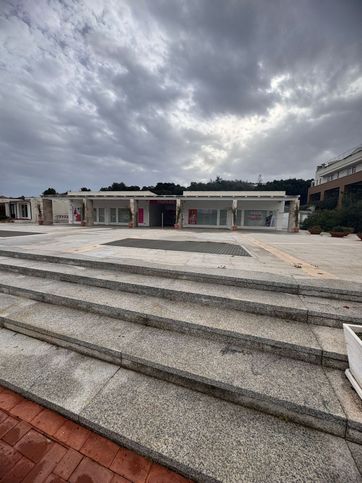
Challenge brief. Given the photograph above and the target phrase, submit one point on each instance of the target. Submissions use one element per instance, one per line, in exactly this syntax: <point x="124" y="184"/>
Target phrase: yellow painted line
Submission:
<point x="308" y="268"/>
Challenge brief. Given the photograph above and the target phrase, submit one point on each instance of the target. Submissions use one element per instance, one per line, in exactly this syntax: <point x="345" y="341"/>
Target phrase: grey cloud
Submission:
<point x="84" y="102"/>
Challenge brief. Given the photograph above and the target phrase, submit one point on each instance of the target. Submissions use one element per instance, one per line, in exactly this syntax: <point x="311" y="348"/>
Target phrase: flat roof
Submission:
<point x="227" y="194"/>
<point x="187" y="195"/>
<point x="340" y="157"/>
<point x="111" y="194"/>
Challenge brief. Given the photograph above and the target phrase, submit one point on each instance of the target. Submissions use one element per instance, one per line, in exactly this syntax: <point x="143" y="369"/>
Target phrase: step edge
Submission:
<point x="296" y="412"/>
<point x="295" y="313"/>
<point x="103" y="431"/>
<point x="290" y="284"/>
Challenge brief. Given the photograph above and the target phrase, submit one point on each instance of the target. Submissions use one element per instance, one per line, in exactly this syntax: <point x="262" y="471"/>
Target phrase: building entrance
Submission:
<point x="162" y="212"/>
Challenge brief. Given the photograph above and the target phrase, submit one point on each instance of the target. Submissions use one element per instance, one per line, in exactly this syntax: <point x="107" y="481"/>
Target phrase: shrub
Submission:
<point x="350" y="216"/>
<point x="326" y="219"/>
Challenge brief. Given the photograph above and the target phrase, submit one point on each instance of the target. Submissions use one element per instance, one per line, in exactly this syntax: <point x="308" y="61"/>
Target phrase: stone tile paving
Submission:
<point x="38" y="445"/>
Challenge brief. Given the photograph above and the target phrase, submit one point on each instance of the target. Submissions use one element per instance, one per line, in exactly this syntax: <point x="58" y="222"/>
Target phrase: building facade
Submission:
<point x="35" y="209"/>
<point x="224" y="209"/>
<point x="338" y="179"/>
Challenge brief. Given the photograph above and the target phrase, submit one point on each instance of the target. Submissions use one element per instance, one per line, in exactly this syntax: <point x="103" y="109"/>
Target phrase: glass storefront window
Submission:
<point x="101" y="215"/>
<point x="223" y="217"/>
<point x="24" y="211"/>
<point x="206" y="217"/>
<point x="123" y="215"/>
<point x="238" y="217"/>
<point x="258" y="218"/>
<point x="113" y="213"/>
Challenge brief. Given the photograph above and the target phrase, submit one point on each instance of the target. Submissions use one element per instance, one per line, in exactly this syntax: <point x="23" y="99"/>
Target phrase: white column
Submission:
<point x="88" y="212"/>
<point x="234" y="211"/>
<point x="133" y="206"/>
<point x="179" y="214"/>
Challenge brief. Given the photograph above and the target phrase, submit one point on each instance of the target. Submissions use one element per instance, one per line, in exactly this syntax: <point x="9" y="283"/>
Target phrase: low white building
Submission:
<point x="35" y="209"/>
<point x="193" y="209"/>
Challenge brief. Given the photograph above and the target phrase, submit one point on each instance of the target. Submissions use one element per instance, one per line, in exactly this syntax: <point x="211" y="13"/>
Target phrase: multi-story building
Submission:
<point x="338" y="179"/>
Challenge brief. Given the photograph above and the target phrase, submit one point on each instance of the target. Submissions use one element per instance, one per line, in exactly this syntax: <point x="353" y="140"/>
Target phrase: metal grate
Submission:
<point x="183" y="246"/>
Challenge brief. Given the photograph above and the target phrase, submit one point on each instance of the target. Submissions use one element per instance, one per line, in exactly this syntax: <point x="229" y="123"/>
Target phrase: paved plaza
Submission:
<point x="300" y="255"/>
<point x="215" y="366"/>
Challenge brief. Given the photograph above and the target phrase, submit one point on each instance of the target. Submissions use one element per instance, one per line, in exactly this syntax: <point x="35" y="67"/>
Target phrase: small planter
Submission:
<point x="130" y="224"/>
<point x="359" y="235"/>
<point x="234" y="227"/>
<point x="352" y="335"/>
<point x="338" y="234"/>
<point x="177" y="226"/>
<point x="315" y="230"/>
<point x="40" y="221"/>
<point x="83" y="223"/>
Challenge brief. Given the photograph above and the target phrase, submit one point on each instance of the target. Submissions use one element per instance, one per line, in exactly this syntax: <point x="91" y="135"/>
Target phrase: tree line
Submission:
<point x="291" y="186"/>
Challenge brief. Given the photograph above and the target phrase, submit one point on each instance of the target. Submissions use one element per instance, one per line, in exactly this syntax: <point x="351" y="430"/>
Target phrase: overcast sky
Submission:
<point x="139" y="91"/>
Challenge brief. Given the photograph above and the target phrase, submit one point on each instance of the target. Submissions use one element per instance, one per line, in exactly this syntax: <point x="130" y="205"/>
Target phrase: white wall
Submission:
<point x="60" y="210"/>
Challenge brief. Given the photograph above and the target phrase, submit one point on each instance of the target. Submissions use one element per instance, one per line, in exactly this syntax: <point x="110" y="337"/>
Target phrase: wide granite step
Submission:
<point x="310" y="309"/>
<point x="268" y="382"/>
<point x="201" y="436"/>
<point x="311" y="343"/>
<point x="331" y="289"/>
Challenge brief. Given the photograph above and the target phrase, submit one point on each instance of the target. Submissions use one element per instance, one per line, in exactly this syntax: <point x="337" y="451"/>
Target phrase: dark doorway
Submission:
<point x="162" y="212"/>
<point x="12" y="208"/>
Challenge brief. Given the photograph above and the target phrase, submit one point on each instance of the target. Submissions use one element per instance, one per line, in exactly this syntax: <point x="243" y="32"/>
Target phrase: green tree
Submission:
<point x="49" y="191"/>
<point x="120" y="187"/>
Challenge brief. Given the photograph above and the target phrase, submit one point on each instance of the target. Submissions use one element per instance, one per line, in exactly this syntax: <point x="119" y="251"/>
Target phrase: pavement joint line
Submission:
<point x="308" y="268"/>
<point x="86" y="248"/>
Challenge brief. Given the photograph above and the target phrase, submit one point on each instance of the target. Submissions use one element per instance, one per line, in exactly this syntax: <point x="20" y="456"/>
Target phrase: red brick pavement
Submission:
<point x="38" y="445"/>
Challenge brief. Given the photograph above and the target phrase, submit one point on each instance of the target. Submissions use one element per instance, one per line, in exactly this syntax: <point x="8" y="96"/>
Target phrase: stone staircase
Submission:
<point x="222" y="376"/>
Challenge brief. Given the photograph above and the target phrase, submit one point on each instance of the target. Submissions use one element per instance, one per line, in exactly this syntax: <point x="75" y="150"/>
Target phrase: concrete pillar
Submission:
<point x="234" y="212"/>
<point x="47" y="212"/>
<point x="133" y="207"/>
<point x="7" y="210"/>
<point x="179" y="222"/>
<point x="293" y="219"/>
<point x="88" y="212"/>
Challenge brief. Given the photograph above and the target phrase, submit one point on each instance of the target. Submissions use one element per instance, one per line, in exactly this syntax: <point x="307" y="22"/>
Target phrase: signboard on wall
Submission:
<point x="193" y="216"/>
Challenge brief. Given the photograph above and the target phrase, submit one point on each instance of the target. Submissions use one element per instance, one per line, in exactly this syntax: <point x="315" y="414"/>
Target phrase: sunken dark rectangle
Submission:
<point x="183" y="246"/>
<point x="7" y="233"/>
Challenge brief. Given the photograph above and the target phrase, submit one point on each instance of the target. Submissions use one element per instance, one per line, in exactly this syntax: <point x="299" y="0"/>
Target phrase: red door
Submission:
<point x="140" y="215"/>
